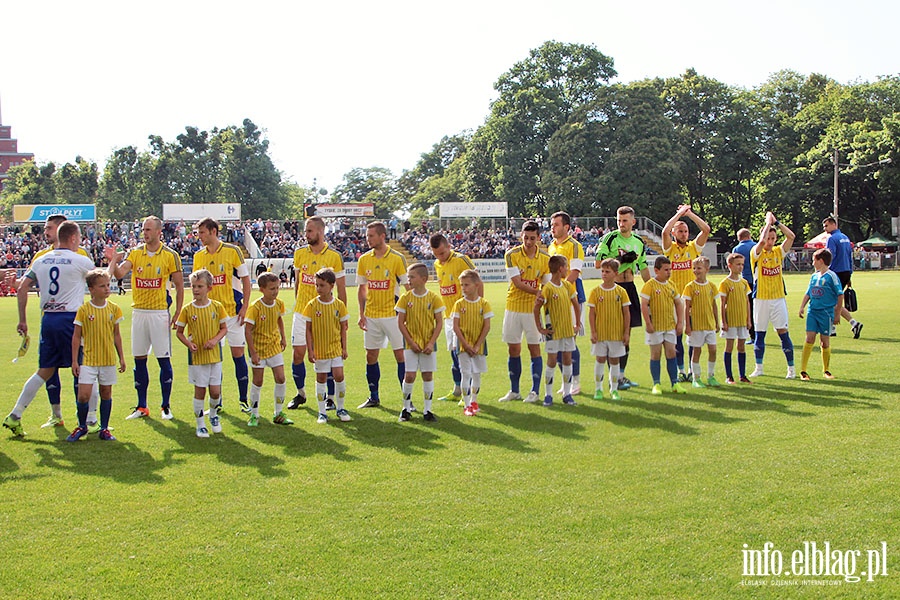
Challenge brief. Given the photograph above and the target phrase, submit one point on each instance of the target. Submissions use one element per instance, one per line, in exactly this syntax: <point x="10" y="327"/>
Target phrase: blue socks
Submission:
<point x="760" y="348"/>
<point x="242" y="374"/>
<point x="299" y="373"/>
<point x="576" y="362"/>
<point x="787" y="347"/>
<point x="727" y="359"/>
<point x="82" y="408"/>
<point x="401" y="373"/>
<point x="514" y="365"/>
<point x="373" y="376"/>
<point x="742" y="363"/>
<point x="165" y="378"/>
<point x="329" y="385"/>
<point x="537" y="373"/>
<point x="105" y="411"/>
<point x="672" y="368"/>
<point x="141" y="381"/>
<point x="457" y="374"/>
<point x="679" y="352"/>
<point x="54" y="387"/>
<point x="655" y="370"/>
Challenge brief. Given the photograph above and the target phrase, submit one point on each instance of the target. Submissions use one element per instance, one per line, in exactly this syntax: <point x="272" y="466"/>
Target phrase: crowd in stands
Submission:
<point x="489" y="243"/>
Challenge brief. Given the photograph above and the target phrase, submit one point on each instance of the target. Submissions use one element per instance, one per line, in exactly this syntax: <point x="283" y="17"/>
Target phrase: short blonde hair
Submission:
<point x="202" y="275"/>
<point x="471" y="275"/>
<point x="421" y="268"/>
<point x="93" y="277"/>
<point x="701" y="260"/>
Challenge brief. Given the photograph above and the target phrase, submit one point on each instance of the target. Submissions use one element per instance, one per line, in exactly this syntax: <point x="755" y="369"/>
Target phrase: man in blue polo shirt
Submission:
<point x="842" y="264"/>
<point x="744" y="247"/>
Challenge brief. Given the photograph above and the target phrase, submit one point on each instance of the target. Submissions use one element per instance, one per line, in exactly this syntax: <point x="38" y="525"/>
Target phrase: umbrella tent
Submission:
<point x="820" y="241"/>
<point x="877" y="241"/>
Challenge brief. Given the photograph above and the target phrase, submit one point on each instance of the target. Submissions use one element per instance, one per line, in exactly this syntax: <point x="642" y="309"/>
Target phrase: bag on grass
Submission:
<point x="850" y="299"/>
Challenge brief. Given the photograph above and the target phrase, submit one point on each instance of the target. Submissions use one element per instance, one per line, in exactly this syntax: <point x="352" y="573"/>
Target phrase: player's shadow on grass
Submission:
<point x="624" y="418"/>
<point x="744" y="401"/>
<point x="534" y="421"/>
<point x="412" y="438"/>
<point x="221" y="445"/>
<point x="297" y="439"/>
<point x="854" y="386"/>
<point x="762" y="395"/>
<point x="120" y="461"/>
<point x="469" y="430"/>
<point x="680" y="410"/>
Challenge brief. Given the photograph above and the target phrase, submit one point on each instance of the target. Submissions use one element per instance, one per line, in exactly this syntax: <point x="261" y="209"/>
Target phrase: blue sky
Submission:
<point x="361" y="84"/>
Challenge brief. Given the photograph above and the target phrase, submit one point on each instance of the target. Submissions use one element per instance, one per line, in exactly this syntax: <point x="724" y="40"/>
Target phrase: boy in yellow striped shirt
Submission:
<point x="610" y="323"/>
<point x="419" y="320"/>
<point x="471" y="323"/>
<point x="97" y="327"/>
<point x="736" y="322"/>
<point x="326" y="320"/>
<point x="559" y="299"/>
<point x="661" y="308"/>
<point x="201" y="326"/>
<point x="264" y="332"/>
<point x="701" y="317"/>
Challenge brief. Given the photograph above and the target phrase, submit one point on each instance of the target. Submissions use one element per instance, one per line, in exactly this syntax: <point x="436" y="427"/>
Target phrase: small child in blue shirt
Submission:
<point x="825" y="297"/>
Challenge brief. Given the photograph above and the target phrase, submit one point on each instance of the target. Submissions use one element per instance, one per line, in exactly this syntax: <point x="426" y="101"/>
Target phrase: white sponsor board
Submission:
<point x="473" y="209"/>
<point x="196" y="212"/>
<point x="345" y="210"/>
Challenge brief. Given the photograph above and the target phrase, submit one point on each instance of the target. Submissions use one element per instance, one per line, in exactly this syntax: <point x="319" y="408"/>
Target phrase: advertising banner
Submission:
<point x="196" y="212"/>
<point x="345" y="210"/>
<point x="38" y="213"/>
<point x="473" y="209"/>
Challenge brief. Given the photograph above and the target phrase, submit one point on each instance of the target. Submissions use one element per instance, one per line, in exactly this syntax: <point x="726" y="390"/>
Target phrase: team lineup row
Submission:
<point x="540" y="282"/>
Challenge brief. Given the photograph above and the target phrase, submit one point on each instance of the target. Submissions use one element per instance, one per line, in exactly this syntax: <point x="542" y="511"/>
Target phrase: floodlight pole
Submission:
<point x="837" y="170"/>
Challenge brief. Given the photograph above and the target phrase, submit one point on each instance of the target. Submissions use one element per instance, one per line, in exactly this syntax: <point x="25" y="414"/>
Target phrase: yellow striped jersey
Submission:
<point x="381" y="276"/>
<point x="661" y="297"/>
<point x="608" y="304"/>
<point x="266" y="333"/>
<point x="533" y="272"/>
<point x="306" y="263"/>
<point x="767" y="273"/>
<point x="326" y="319"/>
<point x="150" y="273"/>
<point x="227" y="267"/>
<point x="571" y="249"/>
<point x="682" y="258"/>
<point x="201" y="324"/>
<point x="735" y="294"/>
<point x="558" y="308"/>
<point x="448" y="277"/>
<point x="703" y="298"/>
<point x="44" y="251"/>
<point x="471" y="315"/>
<point x="421" y="314"/>
<point x="98" y="326"/>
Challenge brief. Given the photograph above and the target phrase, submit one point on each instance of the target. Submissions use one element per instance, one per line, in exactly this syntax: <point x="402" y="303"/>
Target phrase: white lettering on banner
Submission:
<point x="345" y="210"/>
<point x="473" y="209"/>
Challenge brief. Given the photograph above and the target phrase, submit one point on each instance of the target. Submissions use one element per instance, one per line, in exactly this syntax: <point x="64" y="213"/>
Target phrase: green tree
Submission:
<point x="537" y="96"/>
<point x="28" y="183"/>
<point x="374" y="185"/>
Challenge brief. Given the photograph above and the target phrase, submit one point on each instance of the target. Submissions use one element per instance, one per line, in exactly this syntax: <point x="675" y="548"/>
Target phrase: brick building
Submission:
<point x="9" y="151"/>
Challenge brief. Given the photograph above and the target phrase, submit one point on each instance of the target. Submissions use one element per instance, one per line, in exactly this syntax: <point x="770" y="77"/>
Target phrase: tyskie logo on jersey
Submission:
<point x="681" y="265"/>
<point x="771" y="271"/>
<point x="147" y="284"/>
<point x="219" y="279"/>
<point x="307" y="279"/>
<point x="379" y="284"/>
<point x="448" y="290"/>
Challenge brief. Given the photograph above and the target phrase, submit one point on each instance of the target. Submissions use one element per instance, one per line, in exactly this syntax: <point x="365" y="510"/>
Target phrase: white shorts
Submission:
<point x="420" y="362"/>
<point x="325" y="365"/>
<point x="235" y="335"/>
<point x="150" y="329"/>
<point x="516" y="324"/>
<point x="298" y="331"/>
<point x="774" y="312"/>
<point x="610" y="348"/>
<point x="205" y="375"/>
<point x="102" y="375"/>
<point x="271" y="362"/>
<point x="658" y="337"/>
<point x="563" y="345"/>
<point x="452" y="342"/>
<point x="381" y="332"/>
<point x="472" y="364"/>
<point x="736" y="333"/>
<point x="698" y="339"/>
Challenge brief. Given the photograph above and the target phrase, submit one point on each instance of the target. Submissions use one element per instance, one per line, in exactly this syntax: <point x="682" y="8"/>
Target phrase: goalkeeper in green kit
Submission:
<point x="629" y="249"/>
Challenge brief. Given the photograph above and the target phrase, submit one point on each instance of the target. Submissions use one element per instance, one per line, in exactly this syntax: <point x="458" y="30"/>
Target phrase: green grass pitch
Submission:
<point x="652" y="497"/>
